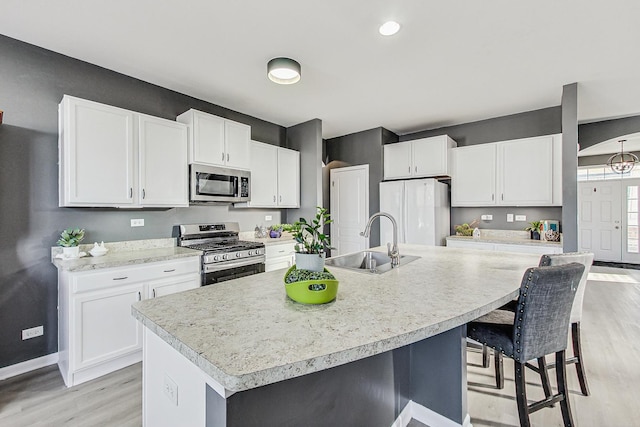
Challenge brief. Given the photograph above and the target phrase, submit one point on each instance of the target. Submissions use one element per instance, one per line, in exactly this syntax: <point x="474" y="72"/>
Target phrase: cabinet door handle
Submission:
<point x="120" y="278"/>
<point x="130" y="192"/>
<point x="139" y="296"/>
<point x="153" y="291"/>
<point x="281" y="197"/>
<point x="169" y="271"/>
<point x="143" y="193"/>
<point x="409" y="170"/>
<point x="492" y="197"/>
<point x="227" y="157"/>
<point x="416" y="169"/>
<point x="222" y="157"/>
<point x="274" y="197"/>
<point x="502" y="196"/>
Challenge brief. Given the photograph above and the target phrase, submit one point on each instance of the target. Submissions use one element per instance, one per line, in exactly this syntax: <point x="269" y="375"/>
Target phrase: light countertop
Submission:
<point x="124" y="253"/>
<point x="250" y="236"/>
<point x="246" y="333"/>
<point x="507" y="241"/>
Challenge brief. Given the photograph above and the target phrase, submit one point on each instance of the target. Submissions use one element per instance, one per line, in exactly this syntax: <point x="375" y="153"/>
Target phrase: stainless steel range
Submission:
<point x="225" y="256"/>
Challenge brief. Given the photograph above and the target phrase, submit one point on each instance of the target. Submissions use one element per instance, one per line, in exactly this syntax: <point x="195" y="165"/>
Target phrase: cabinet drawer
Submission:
<point x="272" y="251"/>
<point x="90" y="281"/>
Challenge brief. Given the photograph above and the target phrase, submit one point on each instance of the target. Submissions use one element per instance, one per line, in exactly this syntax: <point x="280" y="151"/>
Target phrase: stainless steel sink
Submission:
<point x="368" y="262"/>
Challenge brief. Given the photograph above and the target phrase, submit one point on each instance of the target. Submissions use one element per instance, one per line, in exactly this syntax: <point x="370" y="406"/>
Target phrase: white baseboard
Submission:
<point x="28" y="366"/>
<point x="415" y="411"/>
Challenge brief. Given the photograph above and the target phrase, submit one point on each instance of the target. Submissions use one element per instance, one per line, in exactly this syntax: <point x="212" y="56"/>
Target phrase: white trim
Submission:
<point x="415" y="411"/>
<point x="28" y="366"/>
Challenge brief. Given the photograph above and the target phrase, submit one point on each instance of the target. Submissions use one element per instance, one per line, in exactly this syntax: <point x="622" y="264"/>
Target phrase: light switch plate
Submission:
<point x="521" y="217"/>
<point x="137" y="222"/>
<point x="509" y="217"/>
<point x="268" y="218"/>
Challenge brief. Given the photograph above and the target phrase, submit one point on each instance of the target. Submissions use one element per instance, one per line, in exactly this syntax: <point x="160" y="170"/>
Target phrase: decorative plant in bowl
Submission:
<point x="275" y="231"/>
<point x="534" y="229"/>
<point x="69" y="240"/>
<point x="311" y="242"/>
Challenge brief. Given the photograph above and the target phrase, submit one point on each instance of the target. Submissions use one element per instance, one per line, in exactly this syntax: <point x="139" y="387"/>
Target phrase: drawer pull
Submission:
<point x="169" y="271"/>
<point x="281" y="251"/>
<point x="120" y="278"/>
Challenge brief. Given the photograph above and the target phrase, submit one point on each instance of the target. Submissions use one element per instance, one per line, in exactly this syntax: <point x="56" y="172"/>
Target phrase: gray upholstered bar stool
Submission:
<point x="539" y="328"/>
<point x="505" y="315"/>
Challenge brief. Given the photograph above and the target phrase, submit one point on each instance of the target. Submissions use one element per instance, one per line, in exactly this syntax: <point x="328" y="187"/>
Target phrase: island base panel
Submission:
<point x="368" y="392"/>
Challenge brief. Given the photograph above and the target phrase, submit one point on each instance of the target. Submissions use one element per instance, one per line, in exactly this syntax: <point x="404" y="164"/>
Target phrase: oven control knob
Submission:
<point x="237" y="254"/>
<point x="225" y="256"/>
<point x="216" y="257"/>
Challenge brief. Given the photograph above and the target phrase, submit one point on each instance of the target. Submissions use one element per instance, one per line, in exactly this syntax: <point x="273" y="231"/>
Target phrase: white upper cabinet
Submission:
<point x="522" y="172"/>
<point x="96" y="154"/>
<point x="288" y="178"/>
<point x="164" y="172"/>
<point x="275" y="177"/>
<point x="217" y="141"/>
<point x="111" y="157"/>
<point x="425" y="157"/>
<point x="473" y="181"/>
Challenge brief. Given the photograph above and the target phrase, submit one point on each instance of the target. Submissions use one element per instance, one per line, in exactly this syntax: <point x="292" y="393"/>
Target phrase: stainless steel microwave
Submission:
<point x="218" y="184"/>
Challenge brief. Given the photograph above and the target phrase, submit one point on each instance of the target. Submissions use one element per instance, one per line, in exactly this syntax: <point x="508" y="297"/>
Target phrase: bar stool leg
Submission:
<point x="499" y="369"/>
<point x="521" y="394"/>
<point x="562" y="389"/>
<point x="485" y="356"/>
<point x="544" y="376"/>
<point x="577" y="352"/>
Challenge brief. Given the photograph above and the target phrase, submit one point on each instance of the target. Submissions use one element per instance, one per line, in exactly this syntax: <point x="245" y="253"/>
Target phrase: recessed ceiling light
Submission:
<point x="389" y="28"/>
<point x="284" y="71"/>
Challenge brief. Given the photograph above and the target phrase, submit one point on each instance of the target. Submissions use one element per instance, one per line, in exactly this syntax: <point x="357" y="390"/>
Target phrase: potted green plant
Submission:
<point x="534" y="229"/>
<point x="311" y="242"/>
<point x="69" y="240"/>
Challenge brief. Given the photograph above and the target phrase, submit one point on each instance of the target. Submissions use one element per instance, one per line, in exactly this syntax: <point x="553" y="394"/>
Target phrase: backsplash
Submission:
<point x="499" y="222"/>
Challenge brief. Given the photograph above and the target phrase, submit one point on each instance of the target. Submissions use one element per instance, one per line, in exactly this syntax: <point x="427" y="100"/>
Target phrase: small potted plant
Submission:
<point x="275" y="231"/>
<point x="69" y="240"/>
<point x="311" y="242"/>
<point x="534" y="229"/>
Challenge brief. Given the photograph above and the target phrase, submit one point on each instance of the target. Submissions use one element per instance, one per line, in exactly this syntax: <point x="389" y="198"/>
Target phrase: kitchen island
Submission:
<point x="390" y="347"/>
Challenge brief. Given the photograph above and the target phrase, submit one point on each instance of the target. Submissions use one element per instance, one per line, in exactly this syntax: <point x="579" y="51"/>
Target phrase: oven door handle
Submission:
<point x="221" y="266"/>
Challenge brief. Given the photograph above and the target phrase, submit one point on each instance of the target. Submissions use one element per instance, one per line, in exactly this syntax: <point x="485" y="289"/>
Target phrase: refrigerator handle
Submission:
<point x="405" y="215"/>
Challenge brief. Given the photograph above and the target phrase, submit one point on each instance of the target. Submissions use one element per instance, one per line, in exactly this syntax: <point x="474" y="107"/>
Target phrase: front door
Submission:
<point x="599" y="219"/>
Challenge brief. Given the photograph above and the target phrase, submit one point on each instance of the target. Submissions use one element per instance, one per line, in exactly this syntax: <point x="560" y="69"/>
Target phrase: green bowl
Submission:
<point x="311" y="291"/>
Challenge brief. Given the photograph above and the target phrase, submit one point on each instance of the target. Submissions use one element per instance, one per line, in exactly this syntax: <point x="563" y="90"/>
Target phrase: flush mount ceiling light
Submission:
<point x="284" y="71"/>
<point x="622" y="162"/>
<point x="389" y="28"/>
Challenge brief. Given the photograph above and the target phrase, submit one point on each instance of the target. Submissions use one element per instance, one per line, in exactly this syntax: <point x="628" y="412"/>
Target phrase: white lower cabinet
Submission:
<point x="504" y="247"/>
<point x="279" y="256"/>
<point x="96" y="332"/>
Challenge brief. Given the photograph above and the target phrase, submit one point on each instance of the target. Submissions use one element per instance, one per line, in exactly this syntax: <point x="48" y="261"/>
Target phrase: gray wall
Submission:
<point x="307" y="139"/>
<point x="32" y="82"/>
<point x="569" y="167"/>
<point x="523" y="125"/>
<point x="360" y="149"/>
<point x="593" y="133"/>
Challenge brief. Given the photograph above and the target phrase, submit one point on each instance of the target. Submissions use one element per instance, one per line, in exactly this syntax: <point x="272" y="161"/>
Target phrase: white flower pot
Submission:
<point x="312" y="262"/>
<point x="71" y="252"/>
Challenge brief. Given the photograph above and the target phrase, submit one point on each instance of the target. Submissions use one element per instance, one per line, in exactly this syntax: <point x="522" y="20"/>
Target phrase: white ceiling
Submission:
<point x="452" y="62"/>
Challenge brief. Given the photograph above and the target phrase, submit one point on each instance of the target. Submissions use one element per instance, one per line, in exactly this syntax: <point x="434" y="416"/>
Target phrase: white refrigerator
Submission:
<point x="421" y="209"/>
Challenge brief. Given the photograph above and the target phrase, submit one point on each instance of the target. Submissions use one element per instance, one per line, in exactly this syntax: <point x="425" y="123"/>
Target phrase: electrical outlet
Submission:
<point x="509" y="217"/>
<point x="268" y="217"/>
<point x="170" y="389"/>
<point x="486" y="217"/>
<point x="137" y="222"/>
<point x="521" y="218"/>
<point x="32" y="332"/>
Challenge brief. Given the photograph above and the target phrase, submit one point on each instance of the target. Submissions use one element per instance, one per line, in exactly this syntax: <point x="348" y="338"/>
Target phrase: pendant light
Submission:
<point x="622" y="162"/>
<point x="284" y="71"/>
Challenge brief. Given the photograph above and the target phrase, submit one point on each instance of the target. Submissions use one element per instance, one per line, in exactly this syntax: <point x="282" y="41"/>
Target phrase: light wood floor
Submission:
<point x="611" y="340"/>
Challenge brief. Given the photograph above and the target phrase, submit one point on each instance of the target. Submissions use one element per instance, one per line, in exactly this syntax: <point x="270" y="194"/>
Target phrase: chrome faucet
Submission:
<point x="393" y="252"/>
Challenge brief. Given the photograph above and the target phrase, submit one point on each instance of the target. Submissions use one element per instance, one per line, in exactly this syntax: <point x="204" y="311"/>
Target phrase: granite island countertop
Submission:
<point x="122" y="254"/>
<point x="246" y="333"/>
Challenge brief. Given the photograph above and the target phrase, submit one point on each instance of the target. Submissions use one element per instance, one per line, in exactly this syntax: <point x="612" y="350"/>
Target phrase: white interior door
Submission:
<point x="599" y="219"/>
<point x="392" y="202"/>
<point x="349" y="208"/>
